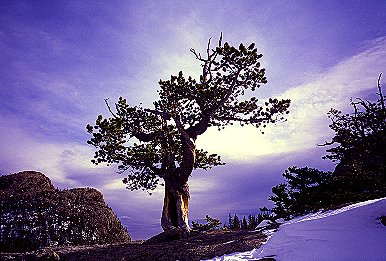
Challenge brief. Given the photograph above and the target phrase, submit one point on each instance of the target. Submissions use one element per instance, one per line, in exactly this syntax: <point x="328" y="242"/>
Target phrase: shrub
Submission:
<point x="211" y="224"/>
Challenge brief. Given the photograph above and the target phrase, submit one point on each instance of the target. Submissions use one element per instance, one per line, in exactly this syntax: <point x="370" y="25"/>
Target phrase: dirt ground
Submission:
<point x="199" y="246"/>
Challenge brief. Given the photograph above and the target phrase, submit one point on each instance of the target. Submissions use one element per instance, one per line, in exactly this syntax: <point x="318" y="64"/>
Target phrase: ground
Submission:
<point x="199" y="246"/>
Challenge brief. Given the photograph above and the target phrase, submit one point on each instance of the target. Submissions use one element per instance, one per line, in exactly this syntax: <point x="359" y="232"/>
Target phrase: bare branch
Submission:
<point x="326" y="143"/>
<point x="206" y="66"/>
<point x="208" y="61"/>
<point x="357" y="123"/>
<point x="109" y="108"/>
<point x="198" y="55"/>
<point x="362" y="102"/>
<point x="208" y="48"/>
<point x="382" y="98"/>
<point x="220" y="40"/>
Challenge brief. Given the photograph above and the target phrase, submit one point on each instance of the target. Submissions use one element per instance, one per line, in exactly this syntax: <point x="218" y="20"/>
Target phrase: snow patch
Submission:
<point x="353" y="232"/>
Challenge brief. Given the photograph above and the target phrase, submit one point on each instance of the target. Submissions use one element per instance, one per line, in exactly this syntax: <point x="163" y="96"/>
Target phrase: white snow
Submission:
<point x="350" y="233"/>
<point x="263" y="223"/>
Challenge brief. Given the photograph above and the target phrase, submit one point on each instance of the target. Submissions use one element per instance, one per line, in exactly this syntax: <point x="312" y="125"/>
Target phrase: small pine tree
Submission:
<point x="244" y="224"/>
<point x="252" y="222"/>
<point x="236" y="222"/>
<point x="306" y="189"/>
<point x="231" y="222"/>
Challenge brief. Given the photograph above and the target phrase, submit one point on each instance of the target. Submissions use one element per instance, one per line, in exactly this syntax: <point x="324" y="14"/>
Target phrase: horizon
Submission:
<point x="61" y="60"/>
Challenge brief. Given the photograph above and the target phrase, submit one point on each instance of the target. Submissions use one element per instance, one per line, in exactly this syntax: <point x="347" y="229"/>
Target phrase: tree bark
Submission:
<point x="175" y="212"/>
<point x="174" y="220"/>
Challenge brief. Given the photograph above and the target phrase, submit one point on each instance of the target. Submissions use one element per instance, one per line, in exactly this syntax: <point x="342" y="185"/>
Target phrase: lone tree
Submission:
<point x="159" y="143"/>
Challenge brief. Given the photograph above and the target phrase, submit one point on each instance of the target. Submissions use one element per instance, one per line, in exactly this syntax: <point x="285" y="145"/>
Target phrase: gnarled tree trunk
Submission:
<point x="174" y="220"/>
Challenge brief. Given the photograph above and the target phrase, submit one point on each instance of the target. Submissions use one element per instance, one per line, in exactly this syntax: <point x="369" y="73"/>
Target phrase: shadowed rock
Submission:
<point x="36" y="215"/>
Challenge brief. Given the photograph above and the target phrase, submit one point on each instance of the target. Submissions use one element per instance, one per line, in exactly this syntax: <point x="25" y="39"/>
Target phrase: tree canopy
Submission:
<point x="152" y="143"/>
<point x="305" y="190"/>
<point x="360" y="142"/>
<point x="351" y="130"/>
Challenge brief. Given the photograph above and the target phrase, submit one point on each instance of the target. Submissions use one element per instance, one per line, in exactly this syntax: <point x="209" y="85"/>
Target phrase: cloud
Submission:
<point x="57" y="160"/>
<point x="307" y="123"/>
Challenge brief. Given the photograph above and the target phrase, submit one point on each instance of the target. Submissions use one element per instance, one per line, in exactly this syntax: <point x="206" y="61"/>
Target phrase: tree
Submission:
<point x="230" y="221"/>
<point x="244" y="224"/>
<point x="360" y="150"/>
<point x="236" y="222"/>
<point x="306" y="189"/>
<point x="159" y="143"/>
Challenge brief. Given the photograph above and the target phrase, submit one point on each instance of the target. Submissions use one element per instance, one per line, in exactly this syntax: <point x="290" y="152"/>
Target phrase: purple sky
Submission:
<point x="60" y="59"/>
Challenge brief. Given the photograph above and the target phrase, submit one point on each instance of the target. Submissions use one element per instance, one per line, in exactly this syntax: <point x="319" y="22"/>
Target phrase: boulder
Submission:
<point x="36" y="215"/>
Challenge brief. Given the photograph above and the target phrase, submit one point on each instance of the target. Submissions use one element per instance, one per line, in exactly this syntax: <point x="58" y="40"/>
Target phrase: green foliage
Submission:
<point x="282" y="200"/>
<point x="236" y="222"/>
<point x="305" y="190"/>
<point x="361" y="146"/>
<point x="150" y="144"/>
<point x="227" y="74"/>
<point x="211" y="224"/>
<point x="244" y="224"/>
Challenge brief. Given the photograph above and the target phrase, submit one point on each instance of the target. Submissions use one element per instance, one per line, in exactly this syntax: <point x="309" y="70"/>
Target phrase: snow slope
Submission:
<point x="350" y="233"/>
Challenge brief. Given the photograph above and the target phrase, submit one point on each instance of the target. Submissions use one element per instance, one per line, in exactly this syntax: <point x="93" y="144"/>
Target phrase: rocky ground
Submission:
<point x="199" y="246"/>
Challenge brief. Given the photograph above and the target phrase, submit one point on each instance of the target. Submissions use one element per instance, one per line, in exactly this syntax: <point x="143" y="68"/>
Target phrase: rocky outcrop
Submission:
<point x="34" y="215"/>
<point x="24" y="184"/>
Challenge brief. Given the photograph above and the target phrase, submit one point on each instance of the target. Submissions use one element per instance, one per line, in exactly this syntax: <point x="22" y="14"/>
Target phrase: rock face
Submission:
<point x="34" y="215"/>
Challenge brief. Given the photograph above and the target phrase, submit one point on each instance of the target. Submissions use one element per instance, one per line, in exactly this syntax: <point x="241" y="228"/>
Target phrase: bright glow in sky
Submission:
<point x="60" y="60"/>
